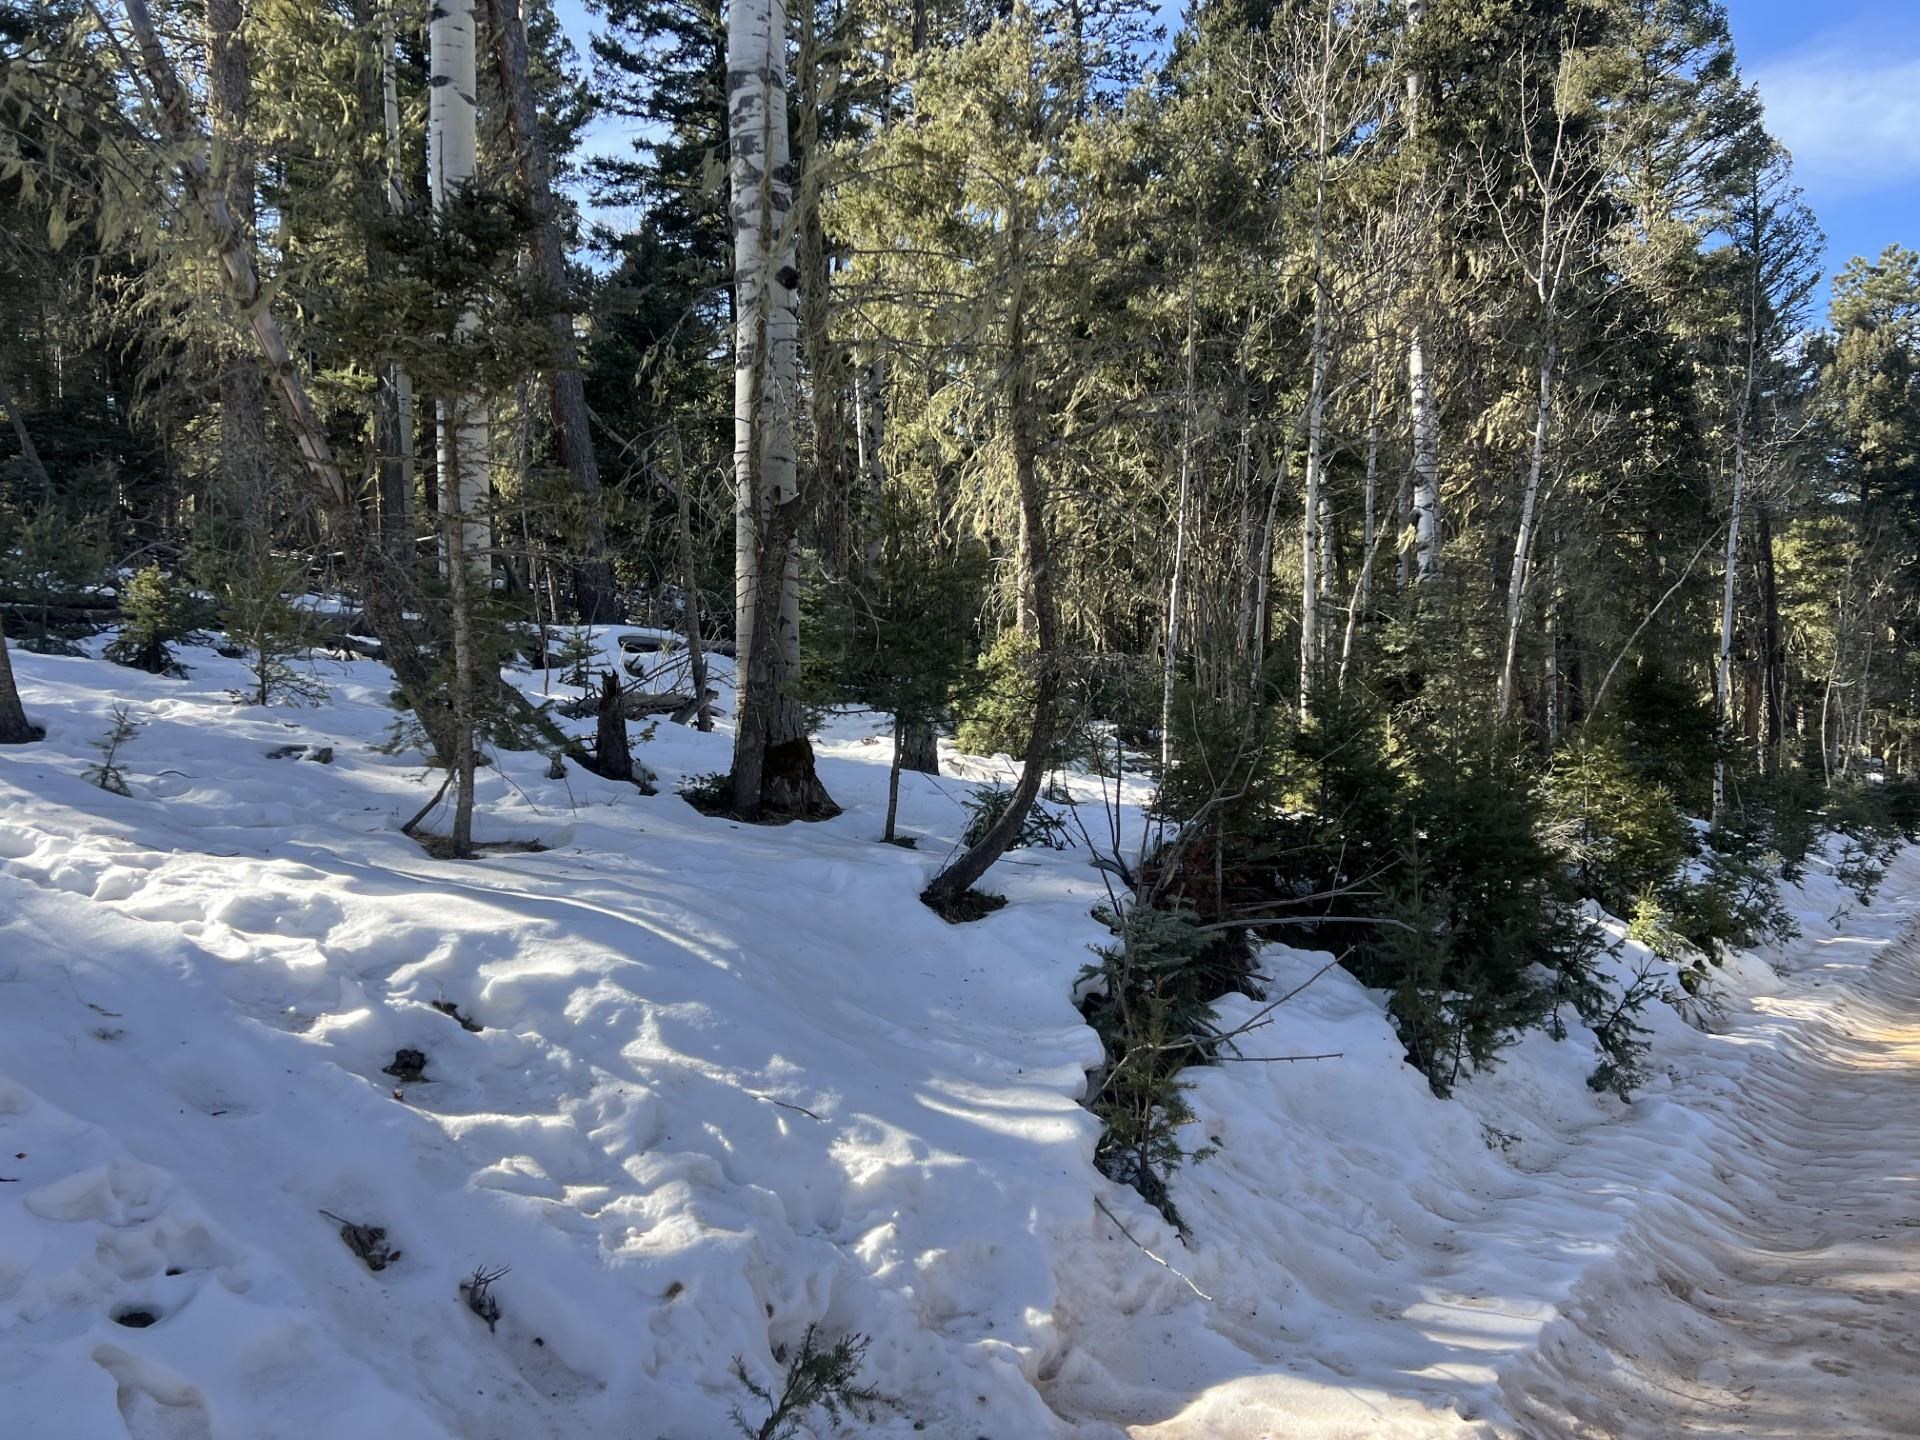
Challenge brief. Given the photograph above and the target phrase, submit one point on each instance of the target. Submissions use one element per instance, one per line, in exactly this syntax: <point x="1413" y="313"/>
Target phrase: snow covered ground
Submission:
<point x="729" y="1083"/>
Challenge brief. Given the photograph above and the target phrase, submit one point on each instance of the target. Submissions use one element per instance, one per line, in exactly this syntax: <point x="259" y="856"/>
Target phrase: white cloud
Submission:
<point x="1851" y="119"/>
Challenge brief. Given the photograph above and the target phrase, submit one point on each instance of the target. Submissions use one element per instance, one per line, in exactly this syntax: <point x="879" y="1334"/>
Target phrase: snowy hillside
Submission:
<point x="720" y="1084"/>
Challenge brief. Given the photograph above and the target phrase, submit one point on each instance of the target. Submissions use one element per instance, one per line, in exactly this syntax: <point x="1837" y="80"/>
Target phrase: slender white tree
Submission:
<point x="1421" y="402"/>
<point x="452" y="156"/>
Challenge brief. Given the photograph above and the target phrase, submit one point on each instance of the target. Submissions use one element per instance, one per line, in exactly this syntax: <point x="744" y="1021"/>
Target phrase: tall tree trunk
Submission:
<point x="1775" y="657"/>
<point x="452" y="142"/>
<point x="1176" y="584"/>
<point x="1529" y="514"/>
<point x="1261" y="626"/>
<point x="394" y="400"/>
<point x="1723" y="668"/>
<point x="14" y="728"/>
<point x="594" y="592"/>
<point x="384" y="589"/>
<point x="1313" y="537"/>
<point x="772" y="759"/>
<point x="461" y="575"/>
<point x="869" y="435"/>
<point x="966" y="871"/>
<point x="1425" y="415"/>
<point x="1362" y="599"/>
<point x="690" y="593"/>
<point x="245" y="463"/>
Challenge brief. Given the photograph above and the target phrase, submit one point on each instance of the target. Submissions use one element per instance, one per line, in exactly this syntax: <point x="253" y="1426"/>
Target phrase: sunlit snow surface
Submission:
<point x="732" y="1082"/>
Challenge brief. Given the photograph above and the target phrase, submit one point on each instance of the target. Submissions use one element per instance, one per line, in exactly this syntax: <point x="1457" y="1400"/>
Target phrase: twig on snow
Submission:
<point x="1101" y="1205"/>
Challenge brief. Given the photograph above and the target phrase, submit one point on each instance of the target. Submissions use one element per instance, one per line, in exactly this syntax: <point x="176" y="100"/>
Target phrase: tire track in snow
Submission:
<point x="1785" y="1302"/>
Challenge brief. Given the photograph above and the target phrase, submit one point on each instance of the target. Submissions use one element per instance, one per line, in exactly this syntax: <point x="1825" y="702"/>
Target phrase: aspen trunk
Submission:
<point x="1313" y="538"/>
<point x="1529" y="511"/>
<point x="1176" y="585"/>
<point x="1425" y="419"/>
<point x="594" y="593"/>
<point x="1369" y="534"/>
<point x="1776" y="659"/>
<point x="452" y="145"/>
<point x="1723" y="669"/>
<point x="771" y="727"/>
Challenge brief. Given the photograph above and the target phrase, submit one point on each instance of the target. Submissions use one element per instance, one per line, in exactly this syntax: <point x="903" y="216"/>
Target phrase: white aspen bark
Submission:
<point x="452" y="156"/>
<point x="1312" y="539"/>
<point x="1426" y="425"/>
<point x="1529" y="519"/>
<point x="1176" y="585"/>
<point x="1723" y="670"/>
<point x="766" y="345"/>
<point x="1369" y="527"/>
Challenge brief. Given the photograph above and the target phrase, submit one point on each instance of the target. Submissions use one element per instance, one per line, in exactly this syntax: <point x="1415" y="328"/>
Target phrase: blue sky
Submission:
<point x="1841" y="82"/>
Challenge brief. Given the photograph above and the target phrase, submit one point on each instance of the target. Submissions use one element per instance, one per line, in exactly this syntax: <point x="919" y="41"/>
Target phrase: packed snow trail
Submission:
<point x="1784" y="1301"/>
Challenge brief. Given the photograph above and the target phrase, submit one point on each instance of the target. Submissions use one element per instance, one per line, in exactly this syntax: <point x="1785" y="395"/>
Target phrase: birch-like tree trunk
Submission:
<point x="772" y="761"/>
<point x="1176" y="584"/>
<point x="245" y="463"/>
<point x="1529" y="513"/>
<point x="593" y="584"/>
<point x="1362" y="599"/>
<point x="466" y="484"/>
<point x="1420" y="397"/>
<point x="1314" y="538"/>
<point x="1723" y="668"/>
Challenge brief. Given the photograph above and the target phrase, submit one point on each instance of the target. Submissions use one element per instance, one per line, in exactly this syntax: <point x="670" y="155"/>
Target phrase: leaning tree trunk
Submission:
<point x="452" y="144"/>
<point x="1362" y="597"/>
<point x="245" y="468"/>
<point x="29" y="452"/>
<point x="957" y="879"/>
<point x="1529" y="519"/>
<point x="593" y="586"/>
<point x="14" y="729"/>
<point x="773" y="769"/>
<point x="384" y="588"/>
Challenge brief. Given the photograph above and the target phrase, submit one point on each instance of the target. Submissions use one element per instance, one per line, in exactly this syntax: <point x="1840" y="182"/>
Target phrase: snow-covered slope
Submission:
<point x="728" y="1083"/>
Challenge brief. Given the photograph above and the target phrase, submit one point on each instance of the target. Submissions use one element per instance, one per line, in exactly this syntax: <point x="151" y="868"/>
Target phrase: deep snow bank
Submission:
<point x="730" y="1082"/>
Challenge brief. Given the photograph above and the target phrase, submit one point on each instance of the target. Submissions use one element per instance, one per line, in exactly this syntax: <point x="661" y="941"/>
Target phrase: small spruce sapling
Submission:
<point x="258" y="614"/>
<point x="157" y="612"/>
<point x="107" y="772"/>
<point x="816" y="1378"/>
